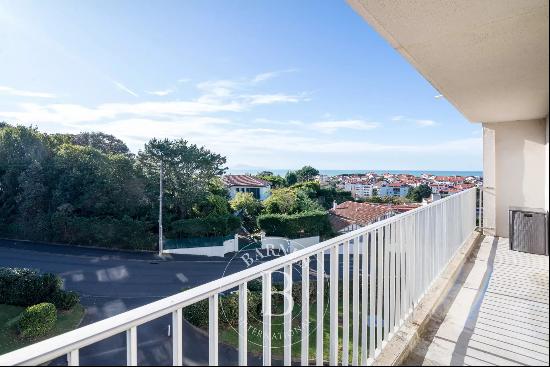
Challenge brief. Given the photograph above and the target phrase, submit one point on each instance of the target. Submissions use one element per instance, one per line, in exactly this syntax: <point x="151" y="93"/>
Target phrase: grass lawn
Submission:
<point x="9" y="341"/>
<point x="230" y="336"/>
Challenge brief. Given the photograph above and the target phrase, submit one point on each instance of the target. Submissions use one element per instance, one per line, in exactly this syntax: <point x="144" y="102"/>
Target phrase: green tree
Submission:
<point x="420" y="192"/>
<point x="20" y="147"/>
<point x="248" y="208"/>
<point x="291" y="178"/>
<point x="281" y="201"/>
<point x="188" y="172"/>
<point x="105" y="143"/>
<point x="275" y="181"/>
<point x="289" y="201"/>
<point x="264" y="173"/>
<point x="306" y="173"/>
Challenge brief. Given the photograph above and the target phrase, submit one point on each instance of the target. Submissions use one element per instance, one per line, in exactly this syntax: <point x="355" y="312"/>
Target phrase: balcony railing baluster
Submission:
<point x="243" y="324"/>
<point x="319" y="331"/>
<point x="305" y="311"/>
<point x="345" y="303"/>
<point x="355" y="302"/>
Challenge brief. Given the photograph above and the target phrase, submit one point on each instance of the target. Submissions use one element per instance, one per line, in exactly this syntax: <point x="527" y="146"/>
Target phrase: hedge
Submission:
<point x="26" y="287"/>
<point x="125" y="233"/>
<point x="212" y="225"/>
<point x="37" y="320"/>
<point x="295" y="225"/>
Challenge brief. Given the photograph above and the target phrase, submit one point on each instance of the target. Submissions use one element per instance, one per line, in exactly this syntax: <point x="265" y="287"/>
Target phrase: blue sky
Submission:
<point x="270" y="84"/>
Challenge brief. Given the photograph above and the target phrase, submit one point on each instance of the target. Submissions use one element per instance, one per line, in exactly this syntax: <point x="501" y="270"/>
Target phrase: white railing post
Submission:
<point x="355" y="301"/>
<point x="287" y="318"/>
<point x="371" y="314"/>
<point x="319" y="333"/>
<point x="243" y="324"/>
<point x="177" y="346"/>
<point x="345" y="304"/>
<point x="266" y="309"/>
<point x="333" y="302"/>
<point x="73" y="358"/>
<point x="366" y="249"/>
<point x="213" y="330"/>
<point x="131" y="346"/>
<point x="305" y="312"/>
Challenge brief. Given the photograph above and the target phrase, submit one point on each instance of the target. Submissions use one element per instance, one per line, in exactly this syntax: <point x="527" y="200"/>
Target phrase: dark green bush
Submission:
<point x="26" y="287"/>
<point x="212" y="225"/>
<point x="64" y="300"/>
<point x="295" y="225"/>
<point x="197" y="313"/>
<point x="37" y="320"/>
<point x="255" y="285"/>
<point x="126" y="233"/>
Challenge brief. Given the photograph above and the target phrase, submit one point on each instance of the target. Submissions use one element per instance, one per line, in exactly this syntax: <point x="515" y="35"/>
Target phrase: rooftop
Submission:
<point x="244" y="180"/>
<point x="359" y="213"/>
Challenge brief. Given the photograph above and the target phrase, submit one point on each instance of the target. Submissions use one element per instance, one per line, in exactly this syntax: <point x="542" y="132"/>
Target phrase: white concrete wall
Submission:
<point x="515" y="169"/>
<point x="211" y="251"/>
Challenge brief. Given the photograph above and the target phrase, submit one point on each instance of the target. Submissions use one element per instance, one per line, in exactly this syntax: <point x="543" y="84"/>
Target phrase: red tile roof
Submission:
<point x="244" y="180"/>
<point x="360" y="213"/>
<point x="402" y="208"/>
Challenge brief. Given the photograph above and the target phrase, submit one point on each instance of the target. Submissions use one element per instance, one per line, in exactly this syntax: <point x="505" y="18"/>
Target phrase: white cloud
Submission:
<point x="161" y="93"/>
<point x="258" y="99"/>
<point x="425" y="123"/>
<point x="333" y="126"/>
<point x="125" y="88"/>
<point x="25" y="93"/>
<point x="418" y="122"/>
<point x="270" y="75"/>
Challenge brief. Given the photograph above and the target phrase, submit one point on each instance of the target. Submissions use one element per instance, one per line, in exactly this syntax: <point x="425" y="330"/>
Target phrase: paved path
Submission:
<point x="495" y="314"/>
<point x="111" y="282"/>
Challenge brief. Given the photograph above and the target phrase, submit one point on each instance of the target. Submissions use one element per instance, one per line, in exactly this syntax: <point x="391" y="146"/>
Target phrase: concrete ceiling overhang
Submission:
<point x="489" y="58"/>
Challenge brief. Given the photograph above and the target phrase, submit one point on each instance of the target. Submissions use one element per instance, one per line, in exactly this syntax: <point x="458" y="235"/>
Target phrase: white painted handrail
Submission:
<point x="399" y="258"/>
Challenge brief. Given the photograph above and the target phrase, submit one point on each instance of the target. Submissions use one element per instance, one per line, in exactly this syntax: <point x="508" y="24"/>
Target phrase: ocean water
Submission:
<point x="335" y="172"/>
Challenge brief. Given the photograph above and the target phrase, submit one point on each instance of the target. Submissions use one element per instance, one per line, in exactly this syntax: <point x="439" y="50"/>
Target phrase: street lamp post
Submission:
<point x="160" y="209"/>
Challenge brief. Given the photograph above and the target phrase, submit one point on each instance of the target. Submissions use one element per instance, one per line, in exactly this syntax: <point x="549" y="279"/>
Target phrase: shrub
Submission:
<point x="197" y="313"/>
<point x="295" y="225"/>
<point x="255" y="285"/>
<point x="26" y="287"/>
<point x="126" y="233"/>
<point x="37" y="320"/>
<point x="64" y="300"/>
<point x="212" y="225"/>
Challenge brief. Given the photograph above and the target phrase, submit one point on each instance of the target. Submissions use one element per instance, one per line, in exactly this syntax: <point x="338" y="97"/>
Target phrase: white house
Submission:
<point x="394" y="189"/>
<point x="359" y="190"/>
<point x="261" y="189"/>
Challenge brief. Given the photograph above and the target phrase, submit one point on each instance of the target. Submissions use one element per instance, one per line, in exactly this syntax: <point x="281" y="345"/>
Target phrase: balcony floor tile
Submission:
<point x="496" y="313"/>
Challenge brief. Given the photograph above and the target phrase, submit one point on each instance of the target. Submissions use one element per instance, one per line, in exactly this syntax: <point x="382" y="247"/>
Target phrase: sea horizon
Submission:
<point x="336" y="172"/>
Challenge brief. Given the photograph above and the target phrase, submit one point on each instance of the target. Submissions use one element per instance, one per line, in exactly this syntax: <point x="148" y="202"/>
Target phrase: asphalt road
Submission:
<point x="111" y="282"/>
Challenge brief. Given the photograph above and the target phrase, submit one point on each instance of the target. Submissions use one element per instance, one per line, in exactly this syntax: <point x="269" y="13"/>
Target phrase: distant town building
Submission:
<point x="261" y="189"/>
<point x="394" y="189"/>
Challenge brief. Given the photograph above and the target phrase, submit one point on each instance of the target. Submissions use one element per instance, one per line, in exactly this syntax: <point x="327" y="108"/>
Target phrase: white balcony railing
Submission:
<point x="397" y="260"/>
